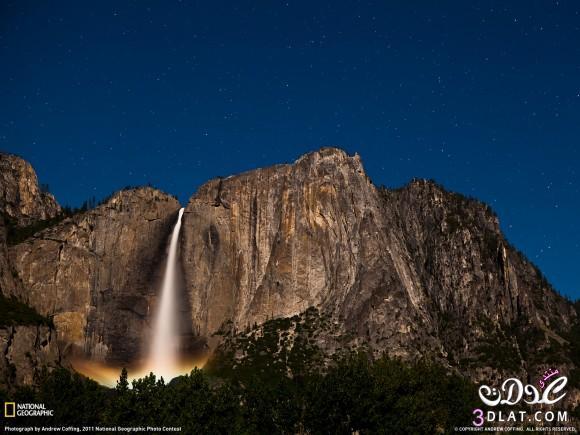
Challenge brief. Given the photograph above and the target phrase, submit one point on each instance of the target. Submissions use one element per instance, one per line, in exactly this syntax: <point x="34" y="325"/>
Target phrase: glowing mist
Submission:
<point x="163" y="359"/>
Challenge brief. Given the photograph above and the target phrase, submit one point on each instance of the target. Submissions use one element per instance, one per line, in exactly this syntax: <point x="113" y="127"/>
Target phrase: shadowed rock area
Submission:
<point x="27" y="342"/>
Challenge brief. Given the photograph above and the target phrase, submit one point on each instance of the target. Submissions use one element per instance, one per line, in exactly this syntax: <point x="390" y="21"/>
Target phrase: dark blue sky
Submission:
<point x="482" y="96"/>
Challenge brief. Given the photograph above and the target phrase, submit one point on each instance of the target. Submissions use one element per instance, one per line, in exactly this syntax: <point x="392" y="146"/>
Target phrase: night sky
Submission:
<point x="484" y="97"/>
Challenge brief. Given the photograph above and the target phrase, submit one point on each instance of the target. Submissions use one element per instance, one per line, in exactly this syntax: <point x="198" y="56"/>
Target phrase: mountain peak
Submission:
<point x="21" y="197"/>
<point x="332" y="156"/>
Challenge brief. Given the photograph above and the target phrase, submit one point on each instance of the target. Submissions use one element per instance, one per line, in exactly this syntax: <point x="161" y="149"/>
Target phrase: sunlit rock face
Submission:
<point x="95" y="274"/>
<point x="21" y="198"/>
<point x="410" y="272"/>
<point x="275" y="241"/>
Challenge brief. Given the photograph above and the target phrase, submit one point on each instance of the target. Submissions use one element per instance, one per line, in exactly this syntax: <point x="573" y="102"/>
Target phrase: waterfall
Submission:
<point x="163" y="359"/>
<point x="165" y="355"/>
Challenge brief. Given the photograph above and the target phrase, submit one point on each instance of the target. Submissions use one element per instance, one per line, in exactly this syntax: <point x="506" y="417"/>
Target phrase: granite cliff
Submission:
<point x="95" y="274"/>
<point x="26" y="351"/>
<point x="416" y="271"/>
<point x="413" y="272"/>
<point x="21" y="197"/>
<point x="27" y="343"/>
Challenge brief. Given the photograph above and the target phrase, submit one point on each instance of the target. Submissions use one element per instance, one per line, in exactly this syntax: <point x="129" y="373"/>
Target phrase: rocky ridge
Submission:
<point x="413" y="272"/>
<point x="21" y="197"/>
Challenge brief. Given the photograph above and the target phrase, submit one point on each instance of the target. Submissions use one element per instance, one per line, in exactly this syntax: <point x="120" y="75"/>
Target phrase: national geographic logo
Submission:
<point x="13" y="409"/>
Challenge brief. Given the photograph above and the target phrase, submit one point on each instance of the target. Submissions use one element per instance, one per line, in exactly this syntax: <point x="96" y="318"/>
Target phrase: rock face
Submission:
<point x="25" y="351"/>
<point x="275" y="241"/>
<point x="20" y="195"/>
<point x="9" y="282"/>
<point x="25" y="348"/>
<point x="95" y="274"/>
<point x="412" y="271"/>
<point x="416" y="271"/>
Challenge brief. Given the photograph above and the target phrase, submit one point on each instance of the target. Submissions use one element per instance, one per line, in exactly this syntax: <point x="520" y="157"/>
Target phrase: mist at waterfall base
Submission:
<point x="163" y="354"/>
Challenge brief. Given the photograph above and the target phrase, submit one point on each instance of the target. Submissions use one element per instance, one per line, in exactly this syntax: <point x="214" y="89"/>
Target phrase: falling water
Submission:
<point x="163" y="357"/>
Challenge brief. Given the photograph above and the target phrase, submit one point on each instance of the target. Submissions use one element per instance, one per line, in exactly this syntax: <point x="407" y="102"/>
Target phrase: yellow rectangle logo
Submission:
<point x="9" y="409"/>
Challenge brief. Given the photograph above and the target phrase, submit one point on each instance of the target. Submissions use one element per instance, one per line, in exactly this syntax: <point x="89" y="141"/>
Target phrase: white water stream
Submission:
<point x="163" y="359"/>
